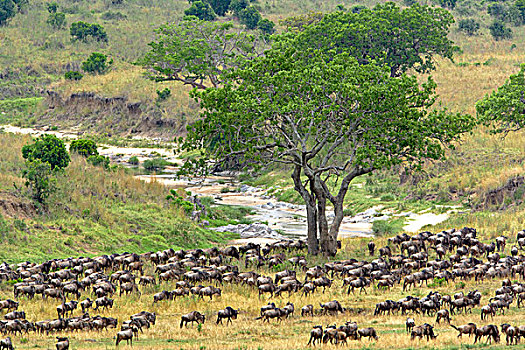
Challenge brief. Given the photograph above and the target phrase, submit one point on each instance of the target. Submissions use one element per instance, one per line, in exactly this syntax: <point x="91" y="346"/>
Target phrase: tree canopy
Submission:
<point x="327" y="116"/>
<point x="197" y="52"/>
<point x="504" y="108"/>
<point x="48" y="149"/>
<point x="402" y="39"/>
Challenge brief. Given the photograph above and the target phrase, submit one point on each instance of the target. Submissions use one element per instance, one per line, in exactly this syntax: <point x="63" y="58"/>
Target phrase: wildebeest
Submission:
<point x="512" y="333"/>
<point x="6" y="344"/>
<point x="62" y="343"/>
<point x="15" y="315"/>
<point x="9" y="304"/>
<point x="424" y="330"/>
<point x="331" y="307"/>
<point x="371" y="248"/>
<point x="443" y="315"/>
<point x="490" y="331"/>
<point x="229" y="313"/>
<point x="104" y="302"/>
<point x="316" y="334"/>
<point x="126" y="335"/>
<point x="469" y="329"/>
<point x="307" y="310"/>
<point x="410" y="324"/>
<point x="367" y="333"/>
<point x="194" y="316"/>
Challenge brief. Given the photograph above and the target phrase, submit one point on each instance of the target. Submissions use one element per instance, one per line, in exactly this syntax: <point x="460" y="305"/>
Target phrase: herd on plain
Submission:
<point x="459" y="255"/>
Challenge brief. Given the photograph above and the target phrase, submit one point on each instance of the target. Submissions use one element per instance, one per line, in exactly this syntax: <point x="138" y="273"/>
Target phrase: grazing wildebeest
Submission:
<point x="229" y="313"/>
<point x="424" y="330"/>
<point x="6" y="344"/>
<point x="307" y="310"/>
<point x="367" y="333"/>
<point x="126" y="335"/>
<point x="490" y="331"/>
<point x="316" y="334"/>
<point x="332" y="306"/>
<point x="513" y="334"/>
<point x="86" y="305"/>
<point x="469" y="329"/>
<point x="62" y="343"/>
<point x="9" y="304"/>
<point x="443" y="315"/>
<point x="410" y="324"/>
<point x="194" y="316"/>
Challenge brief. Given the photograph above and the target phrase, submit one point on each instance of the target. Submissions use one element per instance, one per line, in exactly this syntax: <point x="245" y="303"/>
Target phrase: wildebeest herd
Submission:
<point x="87" y="285"/>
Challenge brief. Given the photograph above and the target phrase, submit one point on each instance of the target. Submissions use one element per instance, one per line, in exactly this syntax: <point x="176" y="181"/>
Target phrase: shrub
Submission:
<point x="57" y="20"/>
<point x="52" y="7"/>
<point x="180" y="202"/>
<point x="98" y="160"/>
<point x="84" y="147"/>
<point x="82" y="31"/>
<point x="266" y="26"/>
<point x="48" y="149"/>
<point x="155" y="164"/>
<point x="164" y="94"/>
<point x="250" y="17"/>
<point x="7" y="10"/>
<point x="236" y="6"/>
<point x="202" y="10"/>
<point x="73" y="75"/>
<point x="39" y="180"/>
<point x="386" y="227"/>
<point x="499" y="31"/>
<point x="469" y="26"/>
<point x="133" y="160"/>
<point x="96" y="63"/>
<point x="110" y="15"/>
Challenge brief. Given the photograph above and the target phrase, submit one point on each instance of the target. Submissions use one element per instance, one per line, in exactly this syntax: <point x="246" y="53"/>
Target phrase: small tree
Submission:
<point x="83" y="31"/>
<point x="220" y="6"/>
<point x="250" y="17"/>
<point x="73" y="75"/>
<point x="57" y="20"/>
<point x="236" y="6"/>
<point x="520" y="5"/>
<point x="97" y="63"/>
<point x="48" y="149"/>
<point x="469" y="26"/>
<point x="499" y="31"/>
<point x="202" y="10"/>
<point x="39" y="180"/>
<point x="84" y="147"/>
<point x="52" y="7"/>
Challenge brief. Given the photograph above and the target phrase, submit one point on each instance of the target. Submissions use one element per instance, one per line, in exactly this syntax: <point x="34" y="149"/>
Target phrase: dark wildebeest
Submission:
<point x="513" y="334"/>
<point x="371" y="248"/>
<point x="425" y="330"/>
<point x="86" y="305"/>
<point x="469" y="329"/>
<point x="6" y="344"/>
<point x="191" y="317"/>
<point x="126" y="335"/>
<point x="272" y="313"/>
<point x="490" y="331"/>
<point x="332" y="306"/>
<point x="307" y="310"/>
<point x="229" y="313"/>
<point x="443" y="315"/>
<point x="367" y="333"/>
<point x="410" y="324"/>
<point x="316" y="334"/>
<point x="62" y="343"/>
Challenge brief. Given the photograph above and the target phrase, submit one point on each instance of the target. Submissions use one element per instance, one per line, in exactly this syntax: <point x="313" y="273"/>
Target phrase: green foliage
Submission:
<point x="39" y="180"/>
<point x="84" y="147"/>
<point x="83" y="31"/>
<point x="520" y="6"/>
<point x="266" y="26"/>
<point x="7" y="11"/>
<point x="97" y="63"/>
<point x="52" y="7"/>
<point x="113" y="15"/>
<point x="98" y="160"/>
<point x="499" y="31"/>
<point x="236" y="6"/>
<point x="300" y="22"/>
<point x="504" y="109"/>
<point x="387" y="227"/>
<point x="202" y="10"/>
<point x="193" y="52"/>
<point x="155" y="164"/>
<point x="367" y="36"/>
<point x="73" y="75"/>
<point x="180" y="202"/>
<point x="133" y="160"/>
<point x="48" y="149"/>
<point x="163" y="94"/>
<point x="250" y="17"/>
<point x="451" y="4"/>
<point x="57" y="20"/>
<point x="220" y="6"/>
<point x="469" y="26"/>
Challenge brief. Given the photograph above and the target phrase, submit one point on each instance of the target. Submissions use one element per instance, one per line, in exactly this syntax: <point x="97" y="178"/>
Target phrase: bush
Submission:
<point x="250" y="17"/>
<point x="469" y="26"/>
<point x="180" y="202"/>
<point x="386" y="227"/>
<point x="499" y="31"/>
<point x="48" y="149"/>
<point x="96" y="63"/>
<point x="266" y="26"/>
<point x="236" y="6"/>
<point x="110" y="15"/>
<point x="7" y="10"/>
<point x="84" y="147"/>
<point x="155" y="164"/>
<point x="201" y="10"/>
<point x="98" y="160"/>
<point x="82" y="31"/>
<point x="73" y="75"/>
<point x="39" y="180"/>
<point x="52" y="7"/>
<point x="164" y="94"/>
<point x="57" y="20"/>
<point x="133" y="160"/>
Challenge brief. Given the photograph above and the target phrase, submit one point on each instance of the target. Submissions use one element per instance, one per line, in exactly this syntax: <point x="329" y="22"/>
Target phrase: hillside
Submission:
<point x="93" y="211"/>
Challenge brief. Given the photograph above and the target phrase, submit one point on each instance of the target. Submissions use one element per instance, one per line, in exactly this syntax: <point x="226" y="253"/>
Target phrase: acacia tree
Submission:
<point x="197" y="52"/>
<point x="329" y="117"/>
<point x="504" y="108"/>
<point x="402" y="39"/>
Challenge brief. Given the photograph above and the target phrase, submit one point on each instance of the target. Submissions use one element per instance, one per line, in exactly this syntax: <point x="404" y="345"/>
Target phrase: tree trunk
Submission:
<point x="334" y="229"/>
<point x="323" y="223"/>
<point x="311" y="212"/>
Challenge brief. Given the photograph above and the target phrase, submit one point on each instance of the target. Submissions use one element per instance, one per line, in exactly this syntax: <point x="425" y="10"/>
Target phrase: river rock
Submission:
<point x="255" y="230"/>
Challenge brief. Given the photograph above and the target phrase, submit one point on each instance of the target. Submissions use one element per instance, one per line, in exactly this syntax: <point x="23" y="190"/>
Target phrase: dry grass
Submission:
<point x="248" y="333"/>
